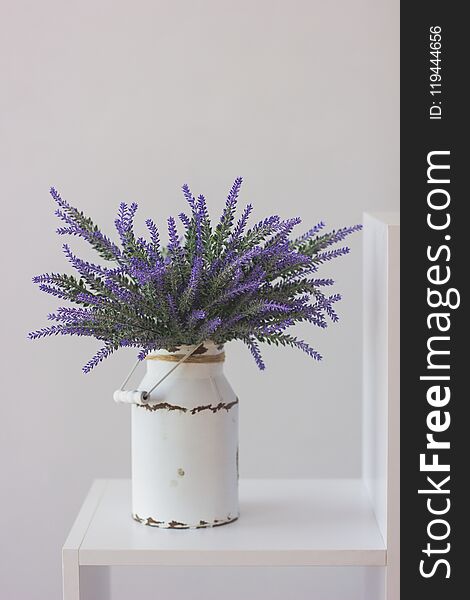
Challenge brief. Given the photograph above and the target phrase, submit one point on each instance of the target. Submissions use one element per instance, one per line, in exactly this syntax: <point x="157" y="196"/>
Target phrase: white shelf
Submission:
<point x="283" y="522"/>
<point x="329" y="522"/>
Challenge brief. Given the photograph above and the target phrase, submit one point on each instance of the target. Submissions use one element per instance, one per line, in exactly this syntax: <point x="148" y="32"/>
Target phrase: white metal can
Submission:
<point x="185" y="443"/>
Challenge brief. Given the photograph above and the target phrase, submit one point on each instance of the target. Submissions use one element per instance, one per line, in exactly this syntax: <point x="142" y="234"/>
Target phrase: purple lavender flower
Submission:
<point x="246" y="287"/>
<point x="185" y="220"/>
<point x="270" y="306"/>
<point x="194" y="277"/>
<point x="270" y="223"/>
<point x="99" y="356"/>
<point x="172" y="235"/>
<point x="339" y="235"/>
<point x="125" y="220"/>
<point x="222" y="283"/>
<point x="277" y="327"/>
<point x="209" y="327"/>
<point x="311" y="232"/>
<point x="241" y="225"/>
<point x="325" y="303"/>
<point x="322" y="282"/>
<point x="44" y="332"/>
<point x="172" y="307"/>
<point x="255" y="351"/>
<point x="86" y="299"/>
<point x="226" y="220"/>
<point x="49" y="289"/>
<point x="307" y="349"/>
<point x="68" y="315"/>
<point x="196" y="315"/>
<point x="292" y="260"/>
<point x="189" y="197"/>
<point x="144" y="273"/>
<point x="81" y="226"/>
<point x="232" y="197"/>
<point x="154" y="235"/>
<point x="202" y="207"/>
<point x="325" y="256"/>
<point x="85" y="269"/>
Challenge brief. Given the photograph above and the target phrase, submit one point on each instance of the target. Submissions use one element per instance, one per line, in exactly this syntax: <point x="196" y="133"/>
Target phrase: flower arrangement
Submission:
<point x="221" y="283"/>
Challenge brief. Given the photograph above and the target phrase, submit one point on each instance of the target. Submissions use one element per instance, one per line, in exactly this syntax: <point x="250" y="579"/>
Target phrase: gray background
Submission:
<point x="123" y="101"/>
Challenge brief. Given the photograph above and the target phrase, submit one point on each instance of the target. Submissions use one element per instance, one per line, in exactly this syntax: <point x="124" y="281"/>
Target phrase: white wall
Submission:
<point x="126" y="100"/>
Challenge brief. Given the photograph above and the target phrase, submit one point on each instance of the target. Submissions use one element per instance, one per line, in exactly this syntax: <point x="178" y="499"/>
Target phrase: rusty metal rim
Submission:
<point x="151" y="522"/>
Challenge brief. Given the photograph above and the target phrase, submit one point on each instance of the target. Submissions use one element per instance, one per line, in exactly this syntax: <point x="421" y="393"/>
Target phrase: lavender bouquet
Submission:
<point x="221" y="283"/>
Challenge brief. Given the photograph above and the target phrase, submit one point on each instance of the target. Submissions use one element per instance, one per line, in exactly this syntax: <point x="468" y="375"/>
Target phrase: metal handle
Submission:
<point x="140" y="397"/>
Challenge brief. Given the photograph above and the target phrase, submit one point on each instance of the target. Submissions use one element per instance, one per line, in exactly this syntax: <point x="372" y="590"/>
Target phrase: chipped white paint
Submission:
<point x="185" y="446"/>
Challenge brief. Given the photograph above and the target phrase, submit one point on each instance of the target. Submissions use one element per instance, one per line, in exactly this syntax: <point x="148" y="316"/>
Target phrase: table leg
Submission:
<point x="70" y="574"/>
<point x="70" y="551"/>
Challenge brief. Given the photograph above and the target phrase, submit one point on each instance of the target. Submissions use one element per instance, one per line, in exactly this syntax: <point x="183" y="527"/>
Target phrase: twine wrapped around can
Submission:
<point x="195" y="358"/>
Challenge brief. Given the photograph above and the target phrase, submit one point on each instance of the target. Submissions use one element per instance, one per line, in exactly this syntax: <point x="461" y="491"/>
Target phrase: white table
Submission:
<point x="287" y="522"/>
<point x="284" y="522"/>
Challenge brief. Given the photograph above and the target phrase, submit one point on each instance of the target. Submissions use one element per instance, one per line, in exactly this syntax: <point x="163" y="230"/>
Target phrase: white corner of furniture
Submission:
<point x="381" y="381"/>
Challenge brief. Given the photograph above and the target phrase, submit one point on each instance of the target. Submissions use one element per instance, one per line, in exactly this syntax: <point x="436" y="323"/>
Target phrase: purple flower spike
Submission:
<point x="240" y="227"/>
<point x="189" y="198"/>
<point x="311" y="232"/>
<point x="196" y="315"/>
<point x="325" y="256"/>
<point x="233" y="194"/>
<point x="185" y="220"/>
<point x="210" y="327"/>
<point x="154" y="235"/>
<point x="99" y="356"/>
<point x="255" y="351"/>
<point x="307" y="349"/>
<point x="125" y="220"/>
<point x="202" y="207"/>
<point x="172" y="235"/>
